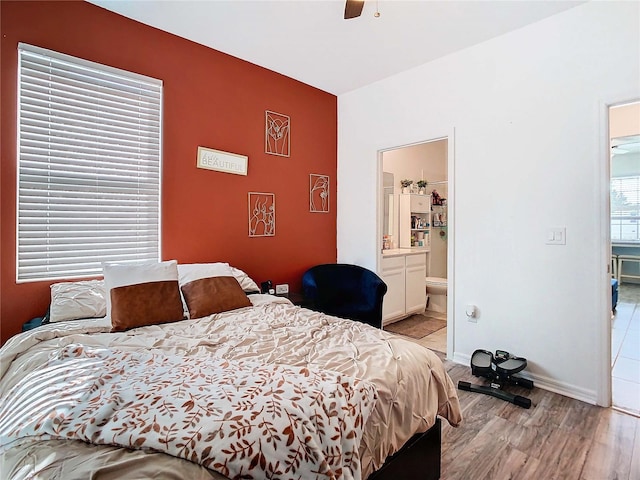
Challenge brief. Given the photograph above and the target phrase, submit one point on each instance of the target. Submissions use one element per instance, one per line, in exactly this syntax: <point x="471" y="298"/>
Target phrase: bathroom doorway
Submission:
<point x="426" y="166"/>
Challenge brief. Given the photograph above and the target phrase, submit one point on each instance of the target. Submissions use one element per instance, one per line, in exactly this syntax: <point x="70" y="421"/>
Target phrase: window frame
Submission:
<point x="142" y="162"/>
<point x="618" y="218"/>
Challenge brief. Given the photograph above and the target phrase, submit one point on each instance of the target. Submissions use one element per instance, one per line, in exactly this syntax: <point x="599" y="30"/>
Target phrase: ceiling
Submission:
<point x="309" y="40"/>
<point x="625" y="145"/>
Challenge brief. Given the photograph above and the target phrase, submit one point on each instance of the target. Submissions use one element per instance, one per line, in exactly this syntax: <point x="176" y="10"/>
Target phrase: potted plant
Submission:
<point x="405" y="185"/>
<point x="422" y="184"/>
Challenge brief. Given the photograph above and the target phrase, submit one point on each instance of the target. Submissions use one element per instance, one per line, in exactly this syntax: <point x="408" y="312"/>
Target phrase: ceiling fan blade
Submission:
<point x="353" y="8"/>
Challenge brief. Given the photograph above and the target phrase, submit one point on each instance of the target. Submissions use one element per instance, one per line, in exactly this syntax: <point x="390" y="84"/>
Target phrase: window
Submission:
<point x="89" y="163"/>
<point x="625" y="209"/>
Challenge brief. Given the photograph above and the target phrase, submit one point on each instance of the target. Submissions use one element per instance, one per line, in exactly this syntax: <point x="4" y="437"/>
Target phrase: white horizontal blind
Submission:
<point x="89" y="163"/>
<point x="625" y="209"/>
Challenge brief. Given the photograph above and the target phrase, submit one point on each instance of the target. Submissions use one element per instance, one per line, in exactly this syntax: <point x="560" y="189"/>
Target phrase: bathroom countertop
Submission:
<point x="396" y="252"/>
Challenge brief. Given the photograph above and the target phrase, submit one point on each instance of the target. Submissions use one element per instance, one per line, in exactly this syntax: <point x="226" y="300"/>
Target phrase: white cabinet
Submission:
<point x="414" y="221"/>
<point x="420" y="203"/>
<point x="405" y="276"/>
<point x="415" y="283"/>
<point x="393" y="274"/>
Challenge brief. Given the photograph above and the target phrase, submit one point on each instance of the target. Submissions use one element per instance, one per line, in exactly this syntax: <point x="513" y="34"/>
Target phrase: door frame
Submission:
<point x="604" y="393"/>
<point x="449" y="135"/>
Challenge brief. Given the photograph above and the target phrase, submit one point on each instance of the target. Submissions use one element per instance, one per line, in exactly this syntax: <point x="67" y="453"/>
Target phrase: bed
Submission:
<point x="264" y="390"/>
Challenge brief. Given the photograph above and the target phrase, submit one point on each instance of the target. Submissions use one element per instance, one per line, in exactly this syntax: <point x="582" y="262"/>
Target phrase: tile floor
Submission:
<point x="437" y="340"/>
<point x="625" y="349"/>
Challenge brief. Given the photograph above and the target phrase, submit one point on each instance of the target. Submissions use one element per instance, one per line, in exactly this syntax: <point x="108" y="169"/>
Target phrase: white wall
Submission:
<point x="425" y="161"/>
<point x="527" y="112"/>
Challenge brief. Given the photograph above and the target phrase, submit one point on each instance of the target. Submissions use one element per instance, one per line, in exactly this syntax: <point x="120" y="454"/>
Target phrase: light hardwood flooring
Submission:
<point x="557" y="438"/>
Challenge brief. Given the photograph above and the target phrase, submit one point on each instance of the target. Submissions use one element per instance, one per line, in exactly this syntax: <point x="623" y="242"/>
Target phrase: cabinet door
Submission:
<point x="416" y="283"/>
<point x="394" y="276"/>
<point x="420" y="203"/>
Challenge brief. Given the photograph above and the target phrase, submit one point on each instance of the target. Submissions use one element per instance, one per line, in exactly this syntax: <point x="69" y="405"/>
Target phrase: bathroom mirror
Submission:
<point x="389" y="205"/>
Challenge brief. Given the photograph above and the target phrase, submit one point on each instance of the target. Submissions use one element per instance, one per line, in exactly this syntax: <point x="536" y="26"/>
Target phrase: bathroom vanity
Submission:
<point x="404" y="271"/>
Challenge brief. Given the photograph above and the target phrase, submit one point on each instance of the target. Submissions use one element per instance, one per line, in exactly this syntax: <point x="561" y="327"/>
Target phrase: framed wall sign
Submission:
<point x="220" y="161"/>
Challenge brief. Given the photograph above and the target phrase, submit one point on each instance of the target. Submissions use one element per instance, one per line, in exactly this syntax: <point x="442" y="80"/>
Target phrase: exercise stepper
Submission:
<point x="501" y="370"/>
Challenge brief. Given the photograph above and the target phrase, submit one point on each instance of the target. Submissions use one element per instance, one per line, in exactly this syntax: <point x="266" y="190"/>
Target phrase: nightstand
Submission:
<point x="295" y="298"/>
<point x="33" y="323"/>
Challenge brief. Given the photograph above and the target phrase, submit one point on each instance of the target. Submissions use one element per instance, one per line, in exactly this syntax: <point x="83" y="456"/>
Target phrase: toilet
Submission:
<point x="436" y="294"/>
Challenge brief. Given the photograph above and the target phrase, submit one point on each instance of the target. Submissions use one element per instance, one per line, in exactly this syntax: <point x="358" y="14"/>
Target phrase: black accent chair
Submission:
<point x="346" y="291"/>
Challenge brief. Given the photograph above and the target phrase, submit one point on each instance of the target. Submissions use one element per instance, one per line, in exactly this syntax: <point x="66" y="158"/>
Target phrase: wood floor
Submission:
<point x="557" y="438"/>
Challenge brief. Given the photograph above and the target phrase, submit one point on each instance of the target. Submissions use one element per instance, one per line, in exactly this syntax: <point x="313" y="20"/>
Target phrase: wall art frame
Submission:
<point x="318" y="193"/>
<point x="262" y="214"/>
<point x="277" y="134"/>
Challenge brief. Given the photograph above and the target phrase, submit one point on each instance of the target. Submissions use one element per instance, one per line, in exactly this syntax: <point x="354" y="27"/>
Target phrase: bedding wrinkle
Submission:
<point x="411" y="384"/>
<point x="212" y="404"/>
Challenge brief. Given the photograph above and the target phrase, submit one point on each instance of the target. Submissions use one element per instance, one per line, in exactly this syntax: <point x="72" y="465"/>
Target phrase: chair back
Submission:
<point x="345" y="290"/>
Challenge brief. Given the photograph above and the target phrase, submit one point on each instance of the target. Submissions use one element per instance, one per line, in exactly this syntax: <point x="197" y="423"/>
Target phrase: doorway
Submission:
<point x="425" y="162"/>
<point x="624" y="221"/>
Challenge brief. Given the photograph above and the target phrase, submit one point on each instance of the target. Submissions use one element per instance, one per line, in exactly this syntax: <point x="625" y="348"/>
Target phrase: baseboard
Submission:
<point x="434" y="314"/>
<point x="566" y="389"/>
<point x="544" y="382"/>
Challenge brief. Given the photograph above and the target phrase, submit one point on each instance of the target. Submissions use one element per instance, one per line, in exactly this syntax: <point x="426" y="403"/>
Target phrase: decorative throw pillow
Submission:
<point x="206" y="296"/>
<point x="74" y="300"/>
<point x="188" y="272"/>
<point x="142" y="294"/>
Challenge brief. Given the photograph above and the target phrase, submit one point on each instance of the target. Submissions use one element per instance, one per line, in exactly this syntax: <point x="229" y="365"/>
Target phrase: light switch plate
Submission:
<point x="557" y="236"/>
<point x="282" y="288"/>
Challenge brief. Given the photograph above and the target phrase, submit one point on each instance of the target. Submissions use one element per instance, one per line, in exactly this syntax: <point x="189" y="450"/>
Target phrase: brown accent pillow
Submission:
<point x="145" y="304"/>
<point x="207" y="296"/>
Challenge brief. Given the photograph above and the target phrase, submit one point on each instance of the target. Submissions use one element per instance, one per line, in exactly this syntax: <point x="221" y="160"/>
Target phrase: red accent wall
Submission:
<point x="210" y="99"/>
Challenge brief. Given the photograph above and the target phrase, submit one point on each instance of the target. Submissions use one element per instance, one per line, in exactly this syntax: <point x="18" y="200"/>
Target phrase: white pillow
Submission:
<point x="120" y="275"/>
<point x="74" y="300"/>
<point x="189" y="272"/>
<point x="196" y="271"/>
<point x="245" y="281"/>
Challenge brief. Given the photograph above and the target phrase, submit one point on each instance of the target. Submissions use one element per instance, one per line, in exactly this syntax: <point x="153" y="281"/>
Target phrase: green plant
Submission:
<point x="406" y="183"/>
<point x="422" y="183"/>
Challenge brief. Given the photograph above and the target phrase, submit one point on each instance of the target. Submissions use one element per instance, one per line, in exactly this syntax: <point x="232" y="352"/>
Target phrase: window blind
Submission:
<point x="625" y="209"/>
<point x="89" y="166"/>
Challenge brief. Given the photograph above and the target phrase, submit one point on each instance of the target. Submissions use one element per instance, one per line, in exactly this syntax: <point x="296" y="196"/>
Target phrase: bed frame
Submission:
<point x="419" y="458"/>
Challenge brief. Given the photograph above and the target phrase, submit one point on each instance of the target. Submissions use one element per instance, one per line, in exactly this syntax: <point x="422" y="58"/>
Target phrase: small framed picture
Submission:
<point x="262" y="214"/>
<point x="277" y="134"/>
<point x="318" y="193"/>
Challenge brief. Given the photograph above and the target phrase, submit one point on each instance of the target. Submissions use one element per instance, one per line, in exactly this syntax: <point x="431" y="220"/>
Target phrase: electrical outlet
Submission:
<point x="472" y="313"/>
<point x="283" y="288"/>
